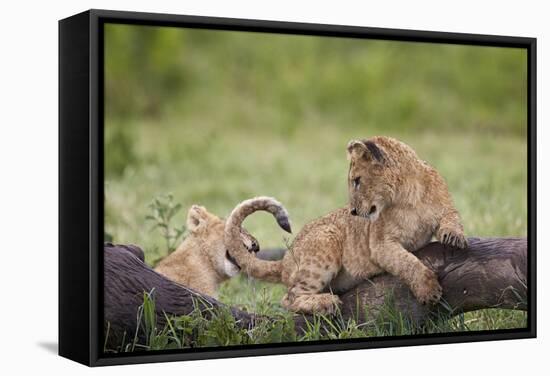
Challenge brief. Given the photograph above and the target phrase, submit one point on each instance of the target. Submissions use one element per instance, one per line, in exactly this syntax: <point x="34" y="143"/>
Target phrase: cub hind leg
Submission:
<point x="307" y="292"/>
<point x="325" y="303"/>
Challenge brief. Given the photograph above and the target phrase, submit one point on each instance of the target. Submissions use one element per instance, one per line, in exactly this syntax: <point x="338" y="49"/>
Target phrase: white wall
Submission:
<point x="28" y="185"/>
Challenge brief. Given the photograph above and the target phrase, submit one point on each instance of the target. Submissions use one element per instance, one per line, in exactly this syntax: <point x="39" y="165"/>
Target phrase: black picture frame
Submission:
<point x="81" y="183"/>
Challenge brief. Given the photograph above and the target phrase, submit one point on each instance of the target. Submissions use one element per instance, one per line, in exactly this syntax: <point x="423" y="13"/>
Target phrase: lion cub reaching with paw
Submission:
<point x="202" y="262"/>
<point x="397" y="204"/>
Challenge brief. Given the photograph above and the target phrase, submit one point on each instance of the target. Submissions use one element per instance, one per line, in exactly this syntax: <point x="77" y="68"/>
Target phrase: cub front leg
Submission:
<point x="392" y="257"/>
<point x="450" y="231"/>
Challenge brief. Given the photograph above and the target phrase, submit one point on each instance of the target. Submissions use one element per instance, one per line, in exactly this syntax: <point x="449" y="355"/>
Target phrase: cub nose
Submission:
<point x="353" y="211"/>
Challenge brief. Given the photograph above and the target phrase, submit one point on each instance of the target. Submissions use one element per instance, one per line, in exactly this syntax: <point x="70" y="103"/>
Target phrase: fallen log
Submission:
<point x="127" y="278"/>
<point x="490" y="273"/>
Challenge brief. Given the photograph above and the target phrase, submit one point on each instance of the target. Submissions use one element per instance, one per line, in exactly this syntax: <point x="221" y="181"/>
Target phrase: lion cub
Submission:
<point x="397" y="204"/>
<point x="202" y="262"/>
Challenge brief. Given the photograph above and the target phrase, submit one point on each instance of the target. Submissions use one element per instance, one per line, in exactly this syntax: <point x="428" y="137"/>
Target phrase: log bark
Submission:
<point x="127" y="278"/>
<point x="490" y="273"/>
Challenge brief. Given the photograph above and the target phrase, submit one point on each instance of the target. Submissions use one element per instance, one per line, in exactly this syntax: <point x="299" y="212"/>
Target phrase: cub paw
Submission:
<point x="452" y="237"/>
<point x="287" y="300"/>
<point x="428" y="290"/>
<point x="328" y="304"/>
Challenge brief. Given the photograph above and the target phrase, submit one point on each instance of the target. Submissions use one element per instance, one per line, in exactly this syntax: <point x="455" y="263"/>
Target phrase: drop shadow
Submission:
<point x="51" y="347"/>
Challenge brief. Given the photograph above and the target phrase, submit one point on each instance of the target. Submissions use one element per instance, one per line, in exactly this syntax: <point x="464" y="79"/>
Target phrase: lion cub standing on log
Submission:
<point x="397" y="204"/>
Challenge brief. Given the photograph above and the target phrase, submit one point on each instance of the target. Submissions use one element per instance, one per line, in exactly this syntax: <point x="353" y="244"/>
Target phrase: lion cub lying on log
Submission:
<point x="397" y="203"/>
<point x="202" y="262"/>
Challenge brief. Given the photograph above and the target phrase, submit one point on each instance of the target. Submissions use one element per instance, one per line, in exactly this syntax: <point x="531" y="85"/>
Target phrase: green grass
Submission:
<point x="206" y="326"/>
<point x="214" y="119"/>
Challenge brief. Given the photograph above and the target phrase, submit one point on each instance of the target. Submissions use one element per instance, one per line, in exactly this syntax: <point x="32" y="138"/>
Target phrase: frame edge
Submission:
<point x="74" y="164"/>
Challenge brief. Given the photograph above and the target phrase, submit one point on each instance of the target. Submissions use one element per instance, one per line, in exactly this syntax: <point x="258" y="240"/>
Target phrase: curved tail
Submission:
<point x="261" y="269"/>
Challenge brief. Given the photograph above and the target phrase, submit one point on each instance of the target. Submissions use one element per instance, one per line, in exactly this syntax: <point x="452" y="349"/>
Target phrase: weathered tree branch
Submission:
<point x="489" y="273"/>
<point x="127" y="278"/>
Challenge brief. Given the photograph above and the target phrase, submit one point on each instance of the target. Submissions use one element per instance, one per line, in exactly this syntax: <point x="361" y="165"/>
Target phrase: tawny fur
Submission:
<point x="200" y="262"/>
<point x="399" y="203"/>
<point x="252" y="266"/>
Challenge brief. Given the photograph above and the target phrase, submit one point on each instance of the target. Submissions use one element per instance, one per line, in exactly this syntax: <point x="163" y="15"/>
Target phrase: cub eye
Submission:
<point x="356" y="182"/>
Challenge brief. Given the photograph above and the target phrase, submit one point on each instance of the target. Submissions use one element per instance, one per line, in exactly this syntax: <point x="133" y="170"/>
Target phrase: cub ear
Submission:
<point x="356" y="149"/>
<point x="374" y="151"/>
<point x="197" y="218"/>
<point x="365" y="149"/>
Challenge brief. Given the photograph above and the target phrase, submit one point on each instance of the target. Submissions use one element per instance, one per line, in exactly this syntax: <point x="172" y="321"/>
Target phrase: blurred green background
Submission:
<point x="218" y="117"/>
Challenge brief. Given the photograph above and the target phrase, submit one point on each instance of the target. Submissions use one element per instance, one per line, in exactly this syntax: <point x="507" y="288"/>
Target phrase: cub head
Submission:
<point x="371" y="182"/>
<point x="207" y="230"/>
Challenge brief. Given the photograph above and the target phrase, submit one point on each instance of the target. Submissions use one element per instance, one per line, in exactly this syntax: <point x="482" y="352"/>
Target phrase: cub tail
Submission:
<point x="252" y="266"/>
